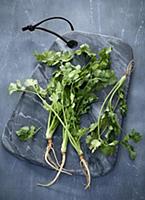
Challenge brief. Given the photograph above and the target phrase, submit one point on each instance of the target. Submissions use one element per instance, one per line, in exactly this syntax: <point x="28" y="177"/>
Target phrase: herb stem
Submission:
<point x="120" y="83"/>
<point x="49" y="106"/>
<point x="64" y="142"/>
<point x="51" y="128"/>
<point x="102" y="107"/>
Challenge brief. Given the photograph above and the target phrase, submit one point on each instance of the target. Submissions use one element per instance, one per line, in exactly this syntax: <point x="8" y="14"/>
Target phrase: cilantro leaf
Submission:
<point x="123" y="105"/>
<point x="95" y="144"/>
<point x="30" y="85"/>
<point x="26" y="132"/>
<point x="52" y="58"/>
<point x="107" y="149"/>
<point x="15" y="87"/>
<point x="132" y="136"/>
<point x="84" y="48"/>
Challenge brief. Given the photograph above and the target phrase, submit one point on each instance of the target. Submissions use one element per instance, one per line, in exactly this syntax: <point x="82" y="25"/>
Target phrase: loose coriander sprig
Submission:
<point x="103" y="133"/>
<point x="27" y="132"/>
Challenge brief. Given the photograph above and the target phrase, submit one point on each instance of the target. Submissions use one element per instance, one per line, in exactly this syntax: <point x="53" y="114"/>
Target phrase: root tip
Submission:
<point x="86" y="171"/>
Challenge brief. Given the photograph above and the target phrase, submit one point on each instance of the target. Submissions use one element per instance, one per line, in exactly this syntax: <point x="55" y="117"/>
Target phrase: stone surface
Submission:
<point x="29" y="110"/>
<point x="124" y="19"/>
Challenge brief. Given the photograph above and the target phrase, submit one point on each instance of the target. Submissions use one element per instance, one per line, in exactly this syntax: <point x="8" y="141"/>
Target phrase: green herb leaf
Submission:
<point x="52" y="58"/>
<point x="95" y="144"/>
<point x="130" y="149"/>
<point x="15" y="87"/>
<point x="31" y="83"/>
<point x="135" y="137"/>
<point x="107" y="149"/>
<point x="123" y="105"/>
<point x="84" y="48"/>
<point x="26" y="132"/>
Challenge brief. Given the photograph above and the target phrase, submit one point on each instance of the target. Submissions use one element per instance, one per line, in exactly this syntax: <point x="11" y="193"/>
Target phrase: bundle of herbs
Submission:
<point x="74" y="86"/>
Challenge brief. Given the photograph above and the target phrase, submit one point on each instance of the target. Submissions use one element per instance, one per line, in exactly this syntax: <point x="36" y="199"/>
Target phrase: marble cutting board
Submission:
<point x="29" y="109"/>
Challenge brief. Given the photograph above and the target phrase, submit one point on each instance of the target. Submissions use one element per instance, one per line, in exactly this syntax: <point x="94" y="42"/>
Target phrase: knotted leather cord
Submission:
<point x="70" y="43"/>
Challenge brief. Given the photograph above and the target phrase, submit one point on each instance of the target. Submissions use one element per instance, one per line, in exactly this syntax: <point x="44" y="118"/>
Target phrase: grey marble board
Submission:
<point x="30" y="111"/>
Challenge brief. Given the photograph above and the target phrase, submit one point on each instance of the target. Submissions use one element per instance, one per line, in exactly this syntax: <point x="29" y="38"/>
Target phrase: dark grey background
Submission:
<point x="124" y="19"/>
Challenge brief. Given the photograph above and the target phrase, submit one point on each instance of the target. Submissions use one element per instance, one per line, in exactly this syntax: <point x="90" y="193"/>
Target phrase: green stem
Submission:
<point x="48" y="133"/>
<point x="65" y="131"/>
<point x="72" y="140"/>
<point x="102" y="107"/>
<point x="76" y="145"/>
<point x="112" y="93"/>
<point x="51" y="128"/>
<point x="113" y="111"/>
<point x="116" y="104"/>
<point x="121" y="82"/>
<point x="65" y="141"/>
<point x="49" y="118"/>
<point x="49" y="106"/>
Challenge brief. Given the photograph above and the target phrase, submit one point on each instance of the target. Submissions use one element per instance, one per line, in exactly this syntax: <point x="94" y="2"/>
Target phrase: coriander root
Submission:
<point x="52" y="125"/>
<point x="49" y="160"/>
<point x="58" y="173"/>
<point x="63" y="153"/>
<point x="86" y="171"/>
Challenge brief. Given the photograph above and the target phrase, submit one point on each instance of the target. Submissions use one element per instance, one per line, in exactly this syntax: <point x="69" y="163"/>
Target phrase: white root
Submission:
<point x="55" y="157"/>
<point x="86" y="171"/>
<point x="51" y="163"/>
<point x="58" y="173"/>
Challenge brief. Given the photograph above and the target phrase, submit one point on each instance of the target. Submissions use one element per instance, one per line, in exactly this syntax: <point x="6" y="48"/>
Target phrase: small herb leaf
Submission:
<point x="26" y="132"/>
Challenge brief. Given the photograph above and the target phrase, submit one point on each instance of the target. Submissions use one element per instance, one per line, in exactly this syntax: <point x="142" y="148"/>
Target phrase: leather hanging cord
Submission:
<point x="70" y="43"/>
<point x="51" y="18"/>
